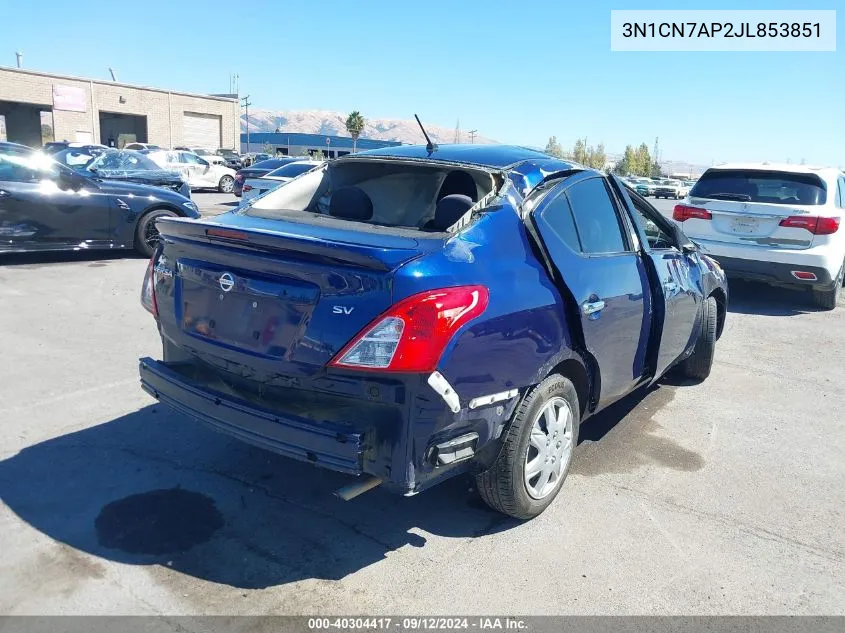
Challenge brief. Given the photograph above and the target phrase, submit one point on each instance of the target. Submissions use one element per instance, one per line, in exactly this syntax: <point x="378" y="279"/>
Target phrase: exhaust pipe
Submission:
<point x="357" y="488"/>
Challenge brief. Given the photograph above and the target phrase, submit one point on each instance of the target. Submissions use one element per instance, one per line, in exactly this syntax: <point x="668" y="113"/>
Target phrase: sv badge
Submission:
<point x="347" y="310"/>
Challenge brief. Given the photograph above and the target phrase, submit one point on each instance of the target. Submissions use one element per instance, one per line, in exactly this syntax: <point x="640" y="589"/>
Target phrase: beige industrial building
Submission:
<point x="37" y="107"/>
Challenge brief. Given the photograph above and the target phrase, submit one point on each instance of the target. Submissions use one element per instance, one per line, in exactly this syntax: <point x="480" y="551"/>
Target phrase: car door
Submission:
<point x="198" y="169"/>
<point x="676" y="276"/>
<point x="592" y="250"/>
<point x="44" y="204"/>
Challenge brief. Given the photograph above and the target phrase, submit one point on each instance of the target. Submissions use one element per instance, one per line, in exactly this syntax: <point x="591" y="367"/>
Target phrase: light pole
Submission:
<point x="246" y="104"/>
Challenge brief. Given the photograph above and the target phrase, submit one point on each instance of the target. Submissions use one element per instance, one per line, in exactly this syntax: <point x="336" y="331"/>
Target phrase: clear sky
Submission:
<point x="516" y="71"/>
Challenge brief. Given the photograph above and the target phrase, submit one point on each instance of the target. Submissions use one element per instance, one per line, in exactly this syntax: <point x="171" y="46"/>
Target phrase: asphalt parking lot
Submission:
<point x="721" y="498"/>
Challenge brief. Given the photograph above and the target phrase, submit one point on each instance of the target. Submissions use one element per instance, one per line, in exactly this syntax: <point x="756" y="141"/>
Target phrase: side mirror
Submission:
<point x="684" y="243"/>
<point x="69" y="180"/>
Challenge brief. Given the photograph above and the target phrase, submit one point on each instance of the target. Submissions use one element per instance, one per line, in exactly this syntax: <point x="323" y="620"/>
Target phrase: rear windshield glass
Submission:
<point x="292" y="170"/>
<point x="771" y="187"/>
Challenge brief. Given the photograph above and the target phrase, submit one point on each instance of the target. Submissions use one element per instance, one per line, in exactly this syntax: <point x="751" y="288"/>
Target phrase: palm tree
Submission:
<point x="354" y="125"/>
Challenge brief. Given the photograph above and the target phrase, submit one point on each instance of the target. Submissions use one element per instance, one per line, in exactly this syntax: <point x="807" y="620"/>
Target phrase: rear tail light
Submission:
<point x="148" y="292"/>
<point x="812" y="223"/>
<point x="683" y="212"/>
<point x="247" y="188"/>
<point x="412" y="335"/>
<point x="804" y="275"/>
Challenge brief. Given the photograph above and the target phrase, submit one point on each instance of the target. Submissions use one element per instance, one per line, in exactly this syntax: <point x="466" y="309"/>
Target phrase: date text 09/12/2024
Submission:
<point x="416" y="623"/>
<point x="721" y="29"/>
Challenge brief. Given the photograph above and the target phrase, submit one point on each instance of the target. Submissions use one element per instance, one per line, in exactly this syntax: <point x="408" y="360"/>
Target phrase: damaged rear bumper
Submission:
<point x="333" y="447"/>
<point x="411" y="442"/>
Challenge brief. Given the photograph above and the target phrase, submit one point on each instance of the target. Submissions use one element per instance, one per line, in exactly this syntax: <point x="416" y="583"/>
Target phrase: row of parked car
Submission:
<point x="197" y="168"/>
<point x="660" y="187"/>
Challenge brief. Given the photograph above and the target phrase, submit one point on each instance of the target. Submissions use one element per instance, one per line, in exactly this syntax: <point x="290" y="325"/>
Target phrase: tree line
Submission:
<point x="634" y="162"/>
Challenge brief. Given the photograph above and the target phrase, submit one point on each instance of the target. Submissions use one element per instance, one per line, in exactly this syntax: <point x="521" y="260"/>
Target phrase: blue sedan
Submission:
<point x="409" y="314"/>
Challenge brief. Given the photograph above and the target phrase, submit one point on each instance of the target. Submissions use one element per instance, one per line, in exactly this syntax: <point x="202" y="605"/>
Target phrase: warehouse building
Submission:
<point x="37" y="107"/>
<point x="295" y="144"/>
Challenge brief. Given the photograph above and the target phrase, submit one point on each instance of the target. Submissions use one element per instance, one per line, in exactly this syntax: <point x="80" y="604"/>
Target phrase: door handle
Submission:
<point x="591" y="307"/>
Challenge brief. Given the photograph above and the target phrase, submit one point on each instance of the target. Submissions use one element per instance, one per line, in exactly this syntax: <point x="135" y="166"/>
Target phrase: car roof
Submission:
<point x="825" y="172"/>
<point x="495" y="156"/>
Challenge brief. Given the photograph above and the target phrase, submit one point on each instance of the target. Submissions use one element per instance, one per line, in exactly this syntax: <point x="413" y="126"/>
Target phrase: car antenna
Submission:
<point x="429" y="146"/>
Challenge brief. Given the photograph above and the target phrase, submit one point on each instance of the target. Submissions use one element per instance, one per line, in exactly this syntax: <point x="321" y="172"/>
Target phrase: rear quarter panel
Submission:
<point x="515" y="343"/>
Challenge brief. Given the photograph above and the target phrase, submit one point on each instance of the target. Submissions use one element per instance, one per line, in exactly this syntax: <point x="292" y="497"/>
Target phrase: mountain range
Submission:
<point x="329" y="123"/>
<point x="334" y="124"/>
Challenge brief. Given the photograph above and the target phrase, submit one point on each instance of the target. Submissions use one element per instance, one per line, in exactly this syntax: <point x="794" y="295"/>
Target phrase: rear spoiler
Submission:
<point x="333" y="246"/>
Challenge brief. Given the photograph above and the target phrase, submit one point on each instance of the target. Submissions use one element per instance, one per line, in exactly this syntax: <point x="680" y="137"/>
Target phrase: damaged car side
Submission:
<point x="409" y="314"/>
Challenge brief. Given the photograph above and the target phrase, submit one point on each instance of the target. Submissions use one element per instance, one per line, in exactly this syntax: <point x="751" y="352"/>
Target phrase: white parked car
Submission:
<point x="668" y="189"/>
<point x="211" y="157"/>
<point x="256" y="186"/>
<point x="196" y="171"/>
<point x="780" y="224"/>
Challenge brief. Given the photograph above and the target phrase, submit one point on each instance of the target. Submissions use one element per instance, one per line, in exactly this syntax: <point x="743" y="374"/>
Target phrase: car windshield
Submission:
<point x="770" y="187"/>
<point x="122" y="160"/>
<point x="76" y="157"/>
<point x="203" y="152"/>
<point x="292" y="170"/>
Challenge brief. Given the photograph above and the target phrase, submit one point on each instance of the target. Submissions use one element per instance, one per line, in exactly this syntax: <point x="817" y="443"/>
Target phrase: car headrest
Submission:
<point x="458" y="182"/>
<point x="449" y="210"/>
<point x="351" y="203"/>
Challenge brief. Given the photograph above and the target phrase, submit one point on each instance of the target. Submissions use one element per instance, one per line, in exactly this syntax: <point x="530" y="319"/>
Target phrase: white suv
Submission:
<point x="779" y="224"/>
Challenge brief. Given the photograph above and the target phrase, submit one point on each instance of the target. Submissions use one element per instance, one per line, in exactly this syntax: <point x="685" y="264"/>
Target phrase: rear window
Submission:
<point x="292" y="170"/>
<point x="770" y="187"/>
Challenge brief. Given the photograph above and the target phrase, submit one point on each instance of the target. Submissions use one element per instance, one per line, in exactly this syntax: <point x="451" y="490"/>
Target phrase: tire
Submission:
<point x="504" y="486"/>
<point x="226" y="184"/>
<point x="827" y="299"/>
<point x="146" y="235"/>
<point x="698" y="365"/>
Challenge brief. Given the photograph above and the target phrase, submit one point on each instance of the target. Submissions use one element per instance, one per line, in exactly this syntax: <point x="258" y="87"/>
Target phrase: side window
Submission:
<point x="192" y="159"/>
<point x="841" y="203"/>
<point x="656" y="236"/>
<point x="558" y="215"/>
<point x="12" y="169"/>
<point x="595" y="217"/>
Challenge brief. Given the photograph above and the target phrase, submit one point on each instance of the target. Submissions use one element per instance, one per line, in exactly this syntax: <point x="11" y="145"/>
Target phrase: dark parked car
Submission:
<point x="47" y="206"/>
<point x="259" y="170"/>
<point x="232" y="158"/>
<point x="408" y="314"/>
<point x="53" y="147"/>
<point x="132" y="166"/>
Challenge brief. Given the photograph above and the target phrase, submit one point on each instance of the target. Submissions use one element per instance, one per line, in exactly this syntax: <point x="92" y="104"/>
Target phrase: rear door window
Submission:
<point x="769" y="187"/>
<point x="595" y="217"/>
<point x="558" y="215"/>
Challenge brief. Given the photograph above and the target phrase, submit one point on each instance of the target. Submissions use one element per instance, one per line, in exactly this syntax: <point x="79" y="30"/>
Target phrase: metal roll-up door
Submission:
<point x="201" y="130"/>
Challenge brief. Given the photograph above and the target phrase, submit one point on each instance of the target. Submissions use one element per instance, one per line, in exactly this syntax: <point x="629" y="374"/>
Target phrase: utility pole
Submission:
<point x="19" y="55"/>
<point x="458" y="132"/>
<point x="246" y="103"/>
<point x="472" y="134"/>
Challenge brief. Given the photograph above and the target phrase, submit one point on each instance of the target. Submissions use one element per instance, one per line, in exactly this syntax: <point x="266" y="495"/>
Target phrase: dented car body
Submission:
<point x="391" y="313"/>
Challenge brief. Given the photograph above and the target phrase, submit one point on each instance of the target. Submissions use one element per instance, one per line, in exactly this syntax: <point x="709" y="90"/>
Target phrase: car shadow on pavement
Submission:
<point x="749" y="297"/>
<point x="155" y="488"/>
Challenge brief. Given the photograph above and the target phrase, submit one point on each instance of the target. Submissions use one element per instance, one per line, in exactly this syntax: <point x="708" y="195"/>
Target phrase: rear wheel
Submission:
<point x="146" y="233"/>
<point x="226" y="184"/>
<point x="537" y="451"/>
<point x="698" y="365"/>
<point x="827" y="299"/>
